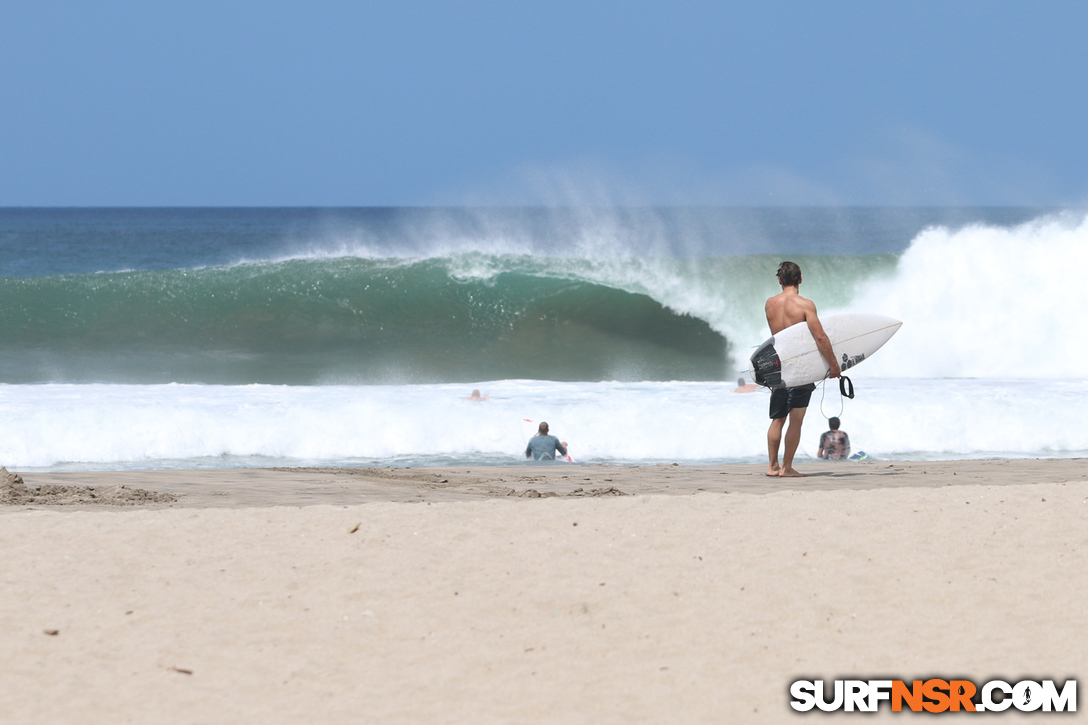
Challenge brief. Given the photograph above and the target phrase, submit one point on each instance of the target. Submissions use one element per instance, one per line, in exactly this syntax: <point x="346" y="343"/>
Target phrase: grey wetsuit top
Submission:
<point x="543" y="447"/>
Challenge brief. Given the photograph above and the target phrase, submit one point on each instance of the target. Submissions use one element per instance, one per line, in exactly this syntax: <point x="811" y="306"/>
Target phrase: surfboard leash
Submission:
<point x="843" y="382"/>
<point x="846" y="390"/>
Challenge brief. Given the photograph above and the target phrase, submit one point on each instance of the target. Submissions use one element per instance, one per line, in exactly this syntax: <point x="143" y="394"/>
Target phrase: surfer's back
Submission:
<point x="788" y="308"/>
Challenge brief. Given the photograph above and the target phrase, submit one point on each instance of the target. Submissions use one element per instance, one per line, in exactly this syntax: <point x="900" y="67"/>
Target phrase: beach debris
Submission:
<point x="355" y="528"/>
<point x="579" y="492"/>
<point x="180" y="670"/>
<point x="532" y="493"/>
<point x="51" y="632"/>
<point x="11" y="486"/>
<point x="14" y="492"/>
<point x="608" y="491"/>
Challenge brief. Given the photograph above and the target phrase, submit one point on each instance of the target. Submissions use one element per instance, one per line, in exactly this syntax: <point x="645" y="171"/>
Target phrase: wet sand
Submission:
<point x="534" y="593"/>
<point x="350" y="486"/>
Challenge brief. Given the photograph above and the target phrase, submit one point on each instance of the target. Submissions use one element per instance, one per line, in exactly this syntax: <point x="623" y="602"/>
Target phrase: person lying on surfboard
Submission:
<point x="743" y="387"/>
<point x="542" y="447"/>
<point x="834" y="444"/>
<point x="785" y="309"/>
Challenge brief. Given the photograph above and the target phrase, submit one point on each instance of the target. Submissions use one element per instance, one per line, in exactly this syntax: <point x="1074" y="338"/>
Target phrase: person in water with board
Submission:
<point x="834" y="444"/>
<point x="783" y="310"/>
<point x="542" y="447"/>
<point x="743" y="387"/>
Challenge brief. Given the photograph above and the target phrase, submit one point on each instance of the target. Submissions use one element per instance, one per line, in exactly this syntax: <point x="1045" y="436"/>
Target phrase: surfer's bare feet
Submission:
<point x="773" y="471"/>
<point x="791" y="473"/>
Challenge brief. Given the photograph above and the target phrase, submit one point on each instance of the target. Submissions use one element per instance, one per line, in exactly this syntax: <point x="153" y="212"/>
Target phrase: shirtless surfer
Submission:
<point x="785" y="309"/>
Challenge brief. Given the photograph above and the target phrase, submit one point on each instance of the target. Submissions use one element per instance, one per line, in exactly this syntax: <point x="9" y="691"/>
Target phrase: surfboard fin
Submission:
<point x="766" y="367"/>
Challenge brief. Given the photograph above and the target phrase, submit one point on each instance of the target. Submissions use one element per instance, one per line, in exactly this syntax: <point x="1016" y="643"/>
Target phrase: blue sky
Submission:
<point x="418" y="103"/>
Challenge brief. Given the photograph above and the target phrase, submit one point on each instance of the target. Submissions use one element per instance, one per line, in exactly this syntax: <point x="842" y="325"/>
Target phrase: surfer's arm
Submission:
<point x="561" y="447"/>
<point x="823" y="344"/>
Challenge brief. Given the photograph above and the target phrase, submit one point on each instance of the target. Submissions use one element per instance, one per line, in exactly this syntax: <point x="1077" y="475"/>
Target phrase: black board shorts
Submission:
<point x="783" y="400"/>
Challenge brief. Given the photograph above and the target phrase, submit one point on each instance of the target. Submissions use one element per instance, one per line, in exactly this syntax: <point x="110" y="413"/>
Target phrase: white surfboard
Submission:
<point x="790" y="358"/>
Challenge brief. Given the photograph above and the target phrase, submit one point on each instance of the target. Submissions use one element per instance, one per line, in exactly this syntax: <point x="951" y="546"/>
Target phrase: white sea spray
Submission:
<point x="140" y="426"/>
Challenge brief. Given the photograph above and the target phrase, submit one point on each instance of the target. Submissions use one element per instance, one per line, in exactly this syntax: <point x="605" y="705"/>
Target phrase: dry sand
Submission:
<point x="532" y="594"/>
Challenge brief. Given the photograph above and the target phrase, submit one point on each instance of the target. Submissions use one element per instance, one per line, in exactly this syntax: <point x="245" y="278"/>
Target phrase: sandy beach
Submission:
<point x="574" y="594"/>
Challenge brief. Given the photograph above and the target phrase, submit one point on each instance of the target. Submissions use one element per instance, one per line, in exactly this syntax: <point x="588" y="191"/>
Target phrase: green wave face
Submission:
<point x="345" y="320"/>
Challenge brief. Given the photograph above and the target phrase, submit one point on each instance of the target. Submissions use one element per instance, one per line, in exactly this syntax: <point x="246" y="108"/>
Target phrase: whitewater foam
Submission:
<point x="986" y="301"/>
<point x="149" y="426"/>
